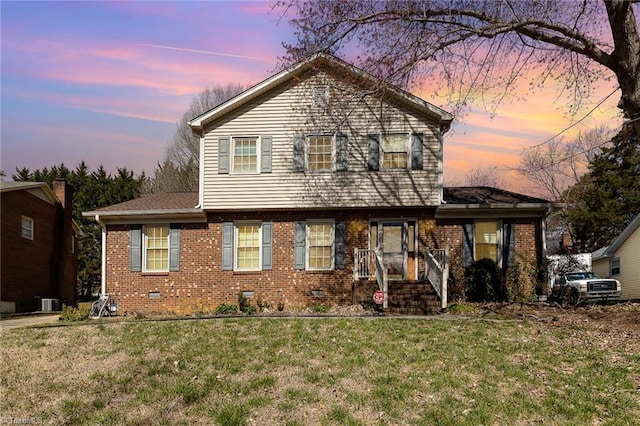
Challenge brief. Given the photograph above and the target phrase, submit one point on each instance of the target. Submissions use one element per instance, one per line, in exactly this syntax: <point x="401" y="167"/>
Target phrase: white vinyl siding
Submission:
<point x="280" y="115"/>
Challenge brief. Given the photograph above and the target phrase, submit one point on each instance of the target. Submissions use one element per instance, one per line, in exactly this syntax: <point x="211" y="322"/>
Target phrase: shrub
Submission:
<point x="226" y="309"/>
<point x="486" y="283"/>
<point x="320" y="308"/>
<point x="69" y="313"/>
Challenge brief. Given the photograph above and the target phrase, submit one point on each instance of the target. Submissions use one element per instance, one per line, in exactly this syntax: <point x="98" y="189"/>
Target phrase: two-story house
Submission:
<point x="320" y="184"/>
<point x="39" y="241"/>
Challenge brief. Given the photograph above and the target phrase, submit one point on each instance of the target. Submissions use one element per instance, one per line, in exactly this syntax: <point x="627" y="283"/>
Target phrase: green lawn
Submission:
<point x="341" y="371"/>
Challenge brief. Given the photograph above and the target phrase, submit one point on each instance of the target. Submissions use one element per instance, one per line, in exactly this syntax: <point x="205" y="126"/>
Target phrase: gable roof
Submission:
<point x="321" y="59"/>
<point x="167" y="206"/>
<point x="42" y="189"/>
<point x="610" y="251"/>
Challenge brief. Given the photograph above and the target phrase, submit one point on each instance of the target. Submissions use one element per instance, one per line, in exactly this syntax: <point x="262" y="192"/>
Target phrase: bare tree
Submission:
<point x="554" y="167"/>
<point x="481" y="50"/>
<point x="178" y="171"/>
<point x="479" y="176"/>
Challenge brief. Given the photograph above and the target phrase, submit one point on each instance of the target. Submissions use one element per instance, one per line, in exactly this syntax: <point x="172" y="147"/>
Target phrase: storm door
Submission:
<point x="396" y="240"/>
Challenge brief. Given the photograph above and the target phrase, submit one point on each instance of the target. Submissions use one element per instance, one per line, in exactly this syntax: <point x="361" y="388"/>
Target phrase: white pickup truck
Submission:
<point x="589" y="287"/>
<point x="571" y="281"/>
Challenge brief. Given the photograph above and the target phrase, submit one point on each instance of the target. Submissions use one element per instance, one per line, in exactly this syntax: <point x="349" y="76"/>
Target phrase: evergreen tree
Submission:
<point x="607" y="198"/>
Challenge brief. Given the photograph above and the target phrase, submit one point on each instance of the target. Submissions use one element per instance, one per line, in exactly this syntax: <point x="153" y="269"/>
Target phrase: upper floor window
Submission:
<point x="27" y="227"/>
<point x="245" y="156"/>
<point x="615" y="266"/>
<point x="320" y="153"/>
<point x="395" y="151"/>
<point x="389" y="151"/>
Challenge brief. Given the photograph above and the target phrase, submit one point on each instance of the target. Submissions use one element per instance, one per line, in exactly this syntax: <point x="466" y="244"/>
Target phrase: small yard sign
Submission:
<point x="378" y="297"/>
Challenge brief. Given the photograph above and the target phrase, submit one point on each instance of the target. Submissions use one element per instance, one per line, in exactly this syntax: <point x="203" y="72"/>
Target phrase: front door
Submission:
<point x="396" y="241"/>
<point x="394" y="250"/>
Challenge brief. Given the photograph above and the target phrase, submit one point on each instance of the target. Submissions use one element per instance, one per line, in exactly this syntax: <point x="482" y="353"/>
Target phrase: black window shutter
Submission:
<point x="298" y="154"/>
<point x="508" y="243"/>
<point x="340" y="243"/>
<point x="342" y="153"/>
<point x="374" y="152"/>
<point x="416" y="151"/>
<point x="468" y="230"/>
<point x="135" y="244"/>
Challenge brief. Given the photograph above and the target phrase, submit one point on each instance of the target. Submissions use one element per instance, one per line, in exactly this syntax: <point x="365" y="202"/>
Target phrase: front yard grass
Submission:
<point x="324" y="371"/>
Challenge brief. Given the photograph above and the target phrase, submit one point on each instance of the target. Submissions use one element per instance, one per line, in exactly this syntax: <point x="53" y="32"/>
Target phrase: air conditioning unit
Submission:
<point x="49" y="305"/>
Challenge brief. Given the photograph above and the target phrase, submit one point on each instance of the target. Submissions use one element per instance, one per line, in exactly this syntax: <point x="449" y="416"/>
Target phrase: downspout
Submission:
<point x="103" y="257"/>
<point x="440" y="165"/>
<point x="201" y="174"/>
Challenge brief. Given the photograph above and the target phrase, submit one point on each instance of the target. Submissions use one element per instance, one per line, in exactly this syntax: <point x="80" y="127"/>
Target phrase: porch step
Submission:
<point x="412" y="298"/>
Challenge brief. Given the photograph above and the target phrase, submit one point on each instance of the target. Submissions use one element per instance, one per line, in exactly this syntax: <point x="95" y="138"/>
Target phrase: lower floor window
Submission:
<point x="156" y="249"/>
<point x="486" y="240"/>
<point x="248" y="247"/>
<point x="320" y="245"/>
<point x="615" y="266"/>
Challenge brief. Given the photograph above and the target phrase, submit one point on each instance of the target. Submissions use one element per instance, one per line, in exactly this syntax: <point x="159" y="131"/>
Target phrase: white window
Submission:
<point x="615" y="266"/>
<point x="155" y="251"/>
<point x="320" y="246"/>
<point x="320" y="153"/>
<point x="486" y="240"/>
<point x="247" y="242"/>
<point x="395" y="151"/>
<point x="245" y="155"/>
<point x="27" y="228"/>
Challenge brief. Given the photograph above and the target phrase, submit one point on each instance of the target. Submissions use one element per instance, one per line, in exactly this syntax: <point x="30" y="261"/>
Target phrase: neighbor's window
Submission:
<point x="615" y="266"/>
<point x="320" y="153"/>
<point x="248" y="247"/>
<point x="156" y="248"/>
<point x="486" y="240"/>
<point x="245" y="158"/>
<point x="395" y="151"/>
<point x="27" y="228"/>
<point x="320" y="245"/>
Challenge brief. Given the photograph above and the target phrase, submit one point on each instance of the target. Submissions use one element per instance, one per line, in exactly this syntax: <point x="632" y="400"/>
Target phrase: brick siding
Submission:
<point x="201" y="285"/>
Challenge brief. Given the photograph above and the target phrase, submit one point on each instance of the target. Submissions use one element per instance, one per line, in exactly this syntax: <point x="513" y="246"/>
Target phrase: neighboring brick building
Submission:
<point x="39" y="240"/>
<point x="319" y="185"/>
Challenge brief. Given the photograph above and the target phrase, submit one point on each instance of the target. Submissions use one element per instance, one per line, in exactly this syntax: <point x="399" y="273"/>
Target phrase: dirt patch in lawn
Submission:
<point x="610" y="325"/>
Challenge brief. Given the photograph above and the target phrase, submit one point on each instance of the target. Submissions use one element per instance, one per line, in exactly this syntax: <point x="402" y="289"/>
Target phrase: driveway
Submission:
<point x="9" y="324"/>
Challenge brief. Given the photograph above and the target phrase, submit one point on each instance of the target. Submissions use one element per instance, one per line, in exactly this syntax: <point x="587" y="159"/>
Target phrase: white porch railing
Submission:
<point x="369" y="264"/>
<point x="436" y="264"/>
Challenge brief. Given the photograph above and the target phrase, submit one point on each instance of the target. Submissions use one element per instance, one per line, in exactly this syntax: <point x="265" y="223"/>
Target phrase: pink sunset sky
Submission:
<point x="105" y="82"/>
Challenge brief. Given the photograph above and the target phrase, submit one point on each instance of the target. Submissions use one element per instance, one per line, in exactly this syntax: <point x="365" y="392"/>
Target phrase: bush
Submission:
<point x="320" y="308"/>
<point x="485" y="282"/>
<point x="69" y="313"/>
<point x="226" y="309"/>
